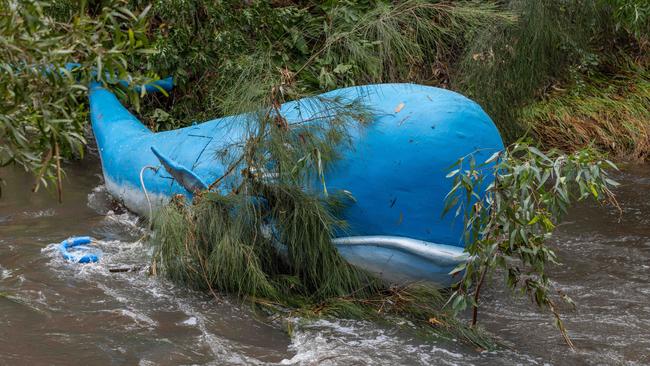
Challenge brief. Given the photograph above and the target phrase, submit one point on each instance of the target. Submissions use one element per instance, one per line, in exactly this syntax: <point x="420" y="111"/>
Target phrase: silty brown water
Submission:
<point x="53" y="312"/>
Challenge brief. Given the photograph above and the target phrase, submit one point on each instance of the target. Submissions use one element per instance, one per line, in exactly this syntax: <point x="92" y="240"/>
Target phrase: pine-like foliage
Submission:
<point x="273" y="247"/>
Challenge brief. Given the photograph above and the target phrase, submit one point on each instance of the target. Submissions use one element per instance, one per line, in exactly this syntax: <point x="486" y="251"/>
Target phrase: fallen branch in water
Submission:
<point x="126" y="269"/>
<point x="507" y="227"/>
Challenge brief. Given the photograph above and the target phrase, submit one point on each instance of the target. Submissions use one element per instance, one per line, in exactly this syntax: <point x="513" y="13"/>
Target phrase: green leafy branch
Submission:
<point x="526" y="194"/>
<point x="42" y="103"/>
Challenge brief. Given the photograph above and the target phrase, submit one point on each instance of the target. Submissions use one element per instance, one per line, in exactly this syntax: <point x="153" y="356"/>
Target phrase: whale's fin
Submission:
<point x="185" y="177"/>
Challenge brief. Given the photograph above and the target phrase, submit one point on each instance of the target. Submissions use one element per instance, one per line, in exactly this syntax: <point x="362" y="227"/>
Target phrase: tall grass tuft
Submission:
<point x="609" y="113"/>
<point x="508" y="65"/>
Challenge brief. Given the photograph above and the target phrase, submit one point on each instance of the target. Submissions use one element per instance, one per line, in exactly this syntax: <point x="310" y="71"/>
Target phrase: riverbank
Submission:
<point x="611" y="114"/>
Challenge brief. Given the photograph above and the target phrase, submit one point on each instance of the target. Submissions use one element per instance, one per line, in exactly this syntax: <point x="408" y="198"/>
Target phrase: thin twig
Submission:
<point x="231" y="168"/>
<point x="45" y="164"/>
<point x="59" y="183"/>
<point x="476" y="296"/>
<point x="560" y="325"/>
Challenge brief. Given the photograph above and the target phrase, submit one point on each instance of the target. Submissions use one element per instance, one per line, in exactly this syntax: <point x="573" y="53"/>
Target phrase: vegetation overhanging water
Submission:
<point x="536" y="52"/>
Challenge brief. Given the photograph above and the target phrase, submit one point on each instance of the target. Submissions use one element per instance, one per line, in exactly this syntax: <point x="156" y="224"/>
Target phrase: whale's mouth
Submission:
<point x="442" y="254"/>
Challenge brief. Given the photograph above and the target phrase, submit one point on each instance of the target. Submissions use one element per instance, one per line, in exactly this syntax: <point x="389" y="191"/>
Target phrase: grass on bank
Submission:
<point x="506" y="65"/>
<point x="611" y="114"/>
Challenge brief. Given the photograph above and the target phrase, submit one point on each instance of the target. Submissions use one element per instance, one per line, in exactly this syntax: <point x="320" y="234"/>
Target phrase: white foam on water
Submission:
<point x="100" y="200"/>
<point x="139" y="318"/>
<point x="114" y="253"/>
<point x="5" y="273"/>
<point x="190" y="321"/>
<point x="40" y="213"/>
<point x="223" y="350"/>
<point x="349" y="342"/>
<point x="343" y="342"/>
<point x="126" y="219"/>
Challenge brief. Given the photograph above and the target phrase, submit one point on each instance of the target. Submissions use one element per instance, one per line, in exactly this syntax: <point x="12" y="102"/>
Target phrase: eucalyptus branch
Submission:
<point x="42" y="98"/>
<point x="510" y="204"/>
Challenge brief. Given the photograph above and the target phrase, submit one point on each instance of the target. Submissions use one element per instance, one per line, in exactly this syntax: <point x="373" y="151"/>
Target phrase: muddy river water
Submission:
<point x="57" y="313"/>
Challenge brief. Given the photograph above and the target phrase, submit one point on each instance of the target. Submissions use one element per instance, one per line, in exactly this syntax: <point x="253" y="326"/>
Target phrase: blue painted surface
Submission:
<point x="165" y="84"/>
<point x="400" y="259"/>
<point x="187" y="178"/>
<point x="398" y="266"/>
<point x="74" y="250"/>
<point x="395" y="170"/>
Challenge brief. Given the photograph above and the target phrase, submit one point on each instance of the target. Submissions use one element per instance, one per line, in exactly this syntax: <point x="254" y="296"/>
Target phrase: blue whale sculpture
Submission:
<point x="395" y="168"/>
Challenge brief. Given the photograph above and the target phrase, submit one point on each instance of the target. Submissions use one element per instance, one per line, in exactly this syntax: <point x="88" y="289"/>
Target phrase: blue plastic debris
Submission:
<point x="81" y="253"/>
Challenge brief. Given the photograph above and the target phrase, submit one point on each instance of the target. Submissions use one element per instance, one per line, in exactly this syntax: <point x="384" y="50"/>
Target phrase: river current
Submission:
<point x="56" y="313"/>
